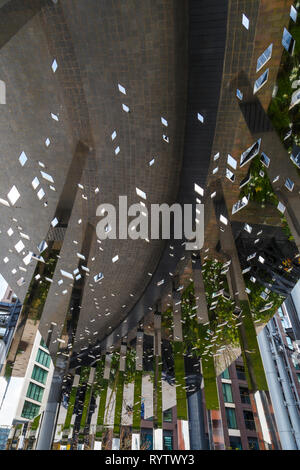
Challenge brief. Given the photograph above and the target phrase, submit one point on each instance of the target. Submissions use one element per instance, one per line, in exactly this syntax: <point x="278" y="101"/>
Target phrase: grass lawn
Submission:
<point x="137" y="401"/>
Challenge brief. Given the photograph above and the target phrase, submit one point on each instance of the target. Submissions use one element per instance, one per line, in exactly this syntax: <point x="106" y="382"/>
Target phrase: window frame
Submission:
<point x="231" y="411"/>
<point x="247" y="421"/>
<point x="262" y="57"/>
<point x="245" y="401"/>
<point x="225" y="388"/>
<point x="40" y="357"/>
<point x="31" y="406"/>
<point x="35" y="392"/>
<point x="225" y="373"/>
<point x="36" y="375"/>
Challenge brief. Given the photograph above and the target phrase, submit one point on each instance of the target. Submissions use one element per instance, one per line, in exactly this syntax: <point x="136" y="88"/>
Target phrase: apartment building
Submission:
<point x="30" y="387"/>
<point x="241" y="428"/>
<point x="279" y="348"/>
<point x="10" y="308"/>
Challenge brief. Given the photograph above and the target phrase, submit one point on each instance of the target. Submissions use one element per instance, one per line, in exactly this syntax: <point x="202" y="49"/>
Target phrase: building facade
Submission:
<point x="279" y="347"/>
<point x="10" y="308"/>
<point x="132" y="341"/>
<point x="241" y="425"/>
<point x="30" y="389"/>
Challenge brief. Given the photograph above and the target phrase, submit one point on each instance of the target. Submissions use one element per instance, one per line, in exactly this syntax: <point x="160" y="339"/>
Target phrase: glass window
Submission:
<point x="265" y="160"/>
<point x="288" y="41"/>
<point x="2" y="331"/>
<point x="263" y="59"/>
<point x="43" y="344"/>
<point x="4" y="433"/>
<point x="293" y="13"/>
<point x="249" y="420"/>
<point x="250" y="153"/>
<point x="227" y="392"/>
<point x="168" y="415"/>
<point x="142" y="410"/>
<point x="298" y="377"/>
<point x="245" y="397"/>
<point x="289" y="342"/>
<point x="284" y="322"/>
<point x="30" y="410"/>
<point x="146" y="439"/>
<point x="239" y="94"/>
<point x="39" y="374"/>
<point x="35" y="392"/>
<point x="225" y="374"/>
<point x="168" y="440"/>
<point x="245" y="21"/>
<point x="231" y="418"/>
<point x="261" y="81"/>
<point x="235" y="443"/>
<point x="43" y="358"/>
<point x="240" y="372"/>
<point x="253" y="443"/>
<point x="296" y="364"/>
